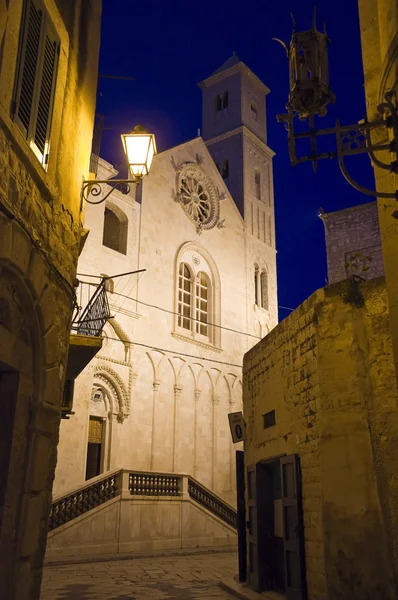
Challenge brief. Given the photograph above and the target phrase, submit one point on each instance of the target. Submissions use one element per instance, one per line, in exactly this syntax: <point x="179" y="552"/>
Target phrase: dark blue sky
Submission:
<point x="169" y="46"/>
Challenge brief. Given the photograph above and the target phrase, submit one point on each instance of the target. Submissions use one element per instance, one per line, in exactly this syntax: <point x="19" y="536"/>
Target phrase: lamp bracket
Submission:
<point x="350" y="140"/>
<point x="94" y="187"/>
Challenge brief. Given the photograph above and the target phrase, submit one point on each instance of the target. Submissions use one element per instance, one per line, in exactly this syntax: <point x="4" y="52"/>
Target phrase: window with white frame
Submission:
<point x="36" y="77"/>
<point x="185" y="296"/>
<point x="197" y="310"/>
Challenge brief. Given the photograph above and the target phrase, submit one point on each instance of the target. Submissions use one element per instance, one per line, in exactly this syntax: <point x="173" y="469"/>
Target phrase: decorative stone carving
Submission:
<point x="197" y="195"/>
<point x="116" y="389"/>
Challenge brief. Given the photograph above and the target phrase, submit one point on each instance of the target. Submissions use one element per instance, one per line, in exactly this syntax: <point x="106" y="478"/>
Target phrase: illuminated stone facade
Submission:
<point x="170" y="368"/>
<point x="45" y="137"/>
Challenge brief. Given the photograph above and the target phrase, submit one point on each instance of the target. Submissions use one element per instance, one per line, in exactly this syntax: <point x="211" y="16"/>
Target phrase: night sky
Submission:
<point x="170" y="46"/>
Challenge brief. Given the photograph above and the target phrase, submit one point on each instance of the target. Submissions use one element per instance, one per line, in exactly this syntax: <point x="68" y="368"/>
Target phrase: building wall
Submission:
<point x="40" y="229"/>
<point x="327" y="371"/>
<point x="353" y="245"/>
<point x="169" y="411"/>
<point x="379" y="25"/>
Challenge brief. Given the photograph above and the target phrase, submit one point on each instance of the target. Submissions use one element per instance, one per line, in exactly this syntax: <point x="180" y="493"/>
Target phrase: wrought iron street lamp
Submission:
<point x="139" y="148"/>
<point x="309" y="95"/>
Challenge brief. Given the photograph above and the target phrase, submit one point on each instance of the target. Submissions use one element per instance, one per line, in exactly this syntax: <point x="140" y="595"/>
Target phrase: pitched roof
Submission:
<point x="233" y="60"/>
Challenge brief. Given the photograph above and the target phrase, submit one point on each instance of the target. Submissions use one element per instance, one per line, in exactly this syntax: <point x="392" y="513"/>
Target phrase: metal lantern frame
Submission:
<point x="310" y="94"/>
<point x="94" y="187"/>
<point x="139" y="133"/>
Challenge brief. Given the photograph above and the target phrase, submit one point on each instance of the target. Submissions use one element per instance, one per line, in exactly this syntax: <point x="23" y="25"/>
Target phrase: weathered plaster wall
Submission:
<point x="353" y="244"/>
<point x="379" y="37"/>
<point x="327" y="370"/>
<point x="40" y="225"/>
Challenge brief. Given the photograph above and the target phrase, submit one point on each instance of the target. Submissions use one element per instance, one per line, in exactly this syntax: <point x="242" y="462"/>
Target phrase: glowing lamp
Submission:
<point x="140" y="148"/>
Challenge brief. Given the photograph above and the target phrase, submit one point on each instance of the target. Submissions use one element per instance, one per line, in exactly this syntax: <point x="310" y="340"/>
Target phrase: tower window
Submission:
<point x="264" y="289"/>
<point x="225" y="169"/>
<point x="257" y="184"/>
<point x="225" y="100"/>
<point x="256" y="273"/>
<point x="253" y="110"/>
<point x="221" y="102"/>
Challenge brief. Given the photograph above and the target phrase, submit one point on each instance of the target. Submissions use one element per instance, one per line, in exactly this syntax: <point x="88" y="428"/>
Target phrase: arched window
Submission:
<point x="198" y="307"/>
<point x="256" y="284"/>
<point x="257" y="184"/>
<point x="202" y="297"/>
<point x="264" y="289"/>
<point x="115" y="229"/>
<point x="185" y="296"/>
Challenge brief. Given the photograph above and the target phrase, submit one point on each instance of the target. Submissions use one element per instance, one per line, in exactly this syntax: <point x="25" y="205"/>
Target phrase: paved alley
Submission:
<point x="161" y="578"/>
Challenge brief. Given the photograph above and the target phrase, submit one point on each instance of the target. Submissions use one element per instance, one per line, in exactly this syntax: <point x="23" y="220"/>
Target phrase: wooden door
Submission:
<point x="252" y="530"/>
<point x="94" y="448"/>
<point x="293" y="533"/>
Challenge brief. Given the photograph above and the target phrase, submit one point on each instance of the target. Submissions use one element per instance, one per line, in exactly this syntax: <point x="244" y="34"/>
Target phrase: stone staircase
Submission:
<point x="128" y="511"/>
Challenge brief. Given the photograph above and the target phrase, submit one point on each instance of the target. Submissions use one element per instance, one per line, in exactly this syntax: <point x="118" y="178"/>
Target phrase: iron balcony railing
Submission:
<point x="93" y="309"/>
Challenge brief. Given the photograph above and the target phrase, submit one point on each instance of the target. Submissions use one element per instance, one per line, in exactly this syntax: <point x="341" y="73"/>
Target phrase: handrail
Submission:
<point x="212" y="502"/>
<point x="83" y="500"/>
<point x="140" y="483"/>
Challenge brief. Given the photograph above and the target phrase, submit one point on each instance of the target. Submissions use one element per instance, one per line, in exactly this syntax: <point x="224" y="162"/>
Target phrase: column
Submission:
<point x="156" y="385"/>
<point x="195" y="435"/>
<point x="215" y="401"/>
<point x="177" y="394"/>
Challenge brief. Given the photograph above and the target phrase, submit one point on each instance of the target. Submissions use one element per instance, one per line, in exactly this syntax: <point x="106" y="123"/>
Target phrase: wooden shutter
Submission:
<point x="293" y="531"/>
<point x="36" y="77"/>
<point x="46" y="89"/>
<point x="32" y="21"/>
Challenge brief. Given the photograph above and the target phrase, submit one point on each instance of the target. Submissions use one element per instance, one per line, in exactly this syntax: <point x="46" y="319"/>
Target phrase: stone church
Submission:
<point x="200" y="229"/>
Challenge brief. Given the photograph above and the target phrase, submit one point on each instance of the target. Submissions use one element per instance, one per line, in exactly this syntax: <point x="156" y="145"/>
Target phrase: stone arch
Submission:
<point x="204" y="372"/>
<point x="35" y="313"/>
<point x="107" y="378"/>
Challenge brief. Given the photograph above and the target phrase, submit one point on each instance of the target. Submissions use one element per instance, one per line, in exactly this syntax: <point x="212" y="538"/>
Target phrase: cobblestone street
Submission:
<point x="160" y="578"/>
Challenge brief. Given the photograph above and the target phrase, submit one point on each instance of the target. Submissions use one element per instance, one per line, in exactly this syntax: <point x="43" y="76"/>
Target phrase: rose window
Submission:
<point x="195" y="199"/>
<point x="197" y="195"/>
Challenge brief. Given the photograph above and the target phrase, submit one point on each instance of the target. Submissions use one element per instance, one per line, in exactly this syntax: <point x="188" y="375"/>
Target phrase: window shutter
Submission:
<point x="46" y="89"/>
<point x="36" y="77"/>
<point x="28" y="66"/>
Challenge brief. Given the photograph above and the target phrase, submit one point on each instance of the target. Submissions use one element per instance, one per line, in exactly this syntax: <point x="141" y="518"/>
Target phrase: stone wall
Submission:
<point x="379" y="36"/>
<point x="40" y="230"/>
<point x="353" y="244"/>
<point x="328" y="373"/>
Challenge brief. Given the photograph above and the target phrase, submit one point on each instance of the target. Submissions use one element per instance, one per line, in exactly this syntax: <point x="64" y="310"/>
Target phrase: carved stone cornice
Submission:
<point x="248" y="134"/>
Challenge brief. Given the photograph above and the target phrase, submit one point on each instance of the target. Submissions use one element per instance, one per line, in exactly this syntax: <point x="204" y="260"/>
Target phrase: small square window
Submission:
<point x="269" y="419"/>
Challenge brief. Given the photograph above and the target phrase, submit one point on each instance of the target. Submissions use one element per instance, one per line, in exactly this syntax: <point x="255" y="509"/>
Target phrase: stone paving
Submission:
<point x="157" y="578"/>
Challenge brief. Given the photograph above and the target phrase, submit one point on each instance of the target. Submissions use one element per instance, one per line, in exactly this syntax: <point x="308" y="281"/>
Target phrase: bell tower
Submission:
<point x="235" y="132"/>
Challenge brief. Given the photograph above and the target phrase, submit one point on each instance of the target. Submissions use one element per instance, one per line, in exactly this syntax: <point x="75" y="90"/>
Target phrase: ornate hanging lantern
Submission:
<point x="308" y="70"/>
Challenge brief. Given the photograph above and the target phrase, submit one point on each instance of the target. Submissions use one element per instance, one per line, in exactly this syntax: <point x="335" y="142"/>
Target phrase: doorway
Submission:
<point x="95" y="447"/>
<point x="275" y="527"/>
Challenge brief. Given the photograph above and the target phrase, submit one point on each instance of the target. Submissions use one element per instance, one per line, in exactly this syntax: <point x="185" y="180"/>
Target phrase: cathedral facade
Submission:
<point x="200" y="232"/>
